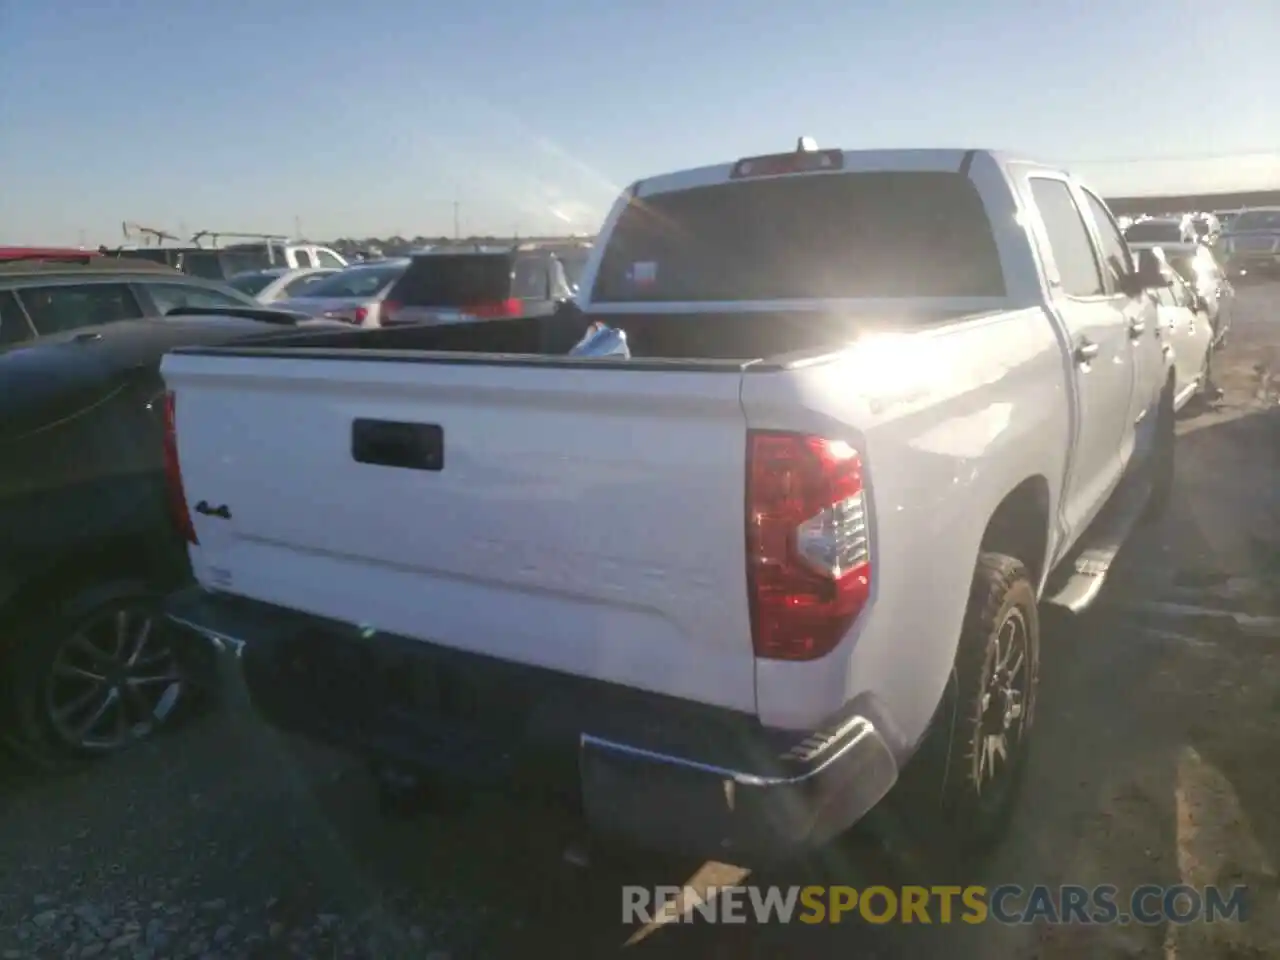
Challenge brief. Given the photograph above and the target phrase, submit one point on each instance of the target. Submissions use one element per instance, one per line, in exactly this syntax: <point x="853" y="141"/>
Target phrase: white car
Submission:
<point x="353" y="295"/>
<point x="278" y="283"/>
<point x="1185" y="328"/>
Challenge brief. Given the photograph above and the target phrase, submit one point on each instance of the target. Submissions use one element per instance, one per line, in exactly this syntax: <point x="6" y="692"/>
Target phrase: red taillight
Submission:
<point x="808" y="560"/>
<point x="173" y="473"/>
<point x="388" y="310"/>
<point x="361" y="315"/>
<point x="492" y="311"/>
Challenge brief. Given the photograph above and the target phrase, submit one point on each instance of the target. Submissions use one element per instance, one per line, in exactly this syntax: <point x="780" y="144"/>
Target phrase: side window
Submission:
<point x="13" y="322"/>
<point x="1115" y="252"/>
<point x="1165" y="296"/>
<point x="327" y="259"/>
<point x="168" y="296"/>
<point x="303" y="258"/>
<point x="58" y="309"/>
<point x="1069" y="240"/>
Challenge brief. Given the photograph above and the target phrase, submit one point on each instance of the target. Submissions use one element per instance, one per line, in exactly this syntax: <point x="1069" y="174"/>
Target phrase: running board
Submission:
<point x="1079" y="580"/>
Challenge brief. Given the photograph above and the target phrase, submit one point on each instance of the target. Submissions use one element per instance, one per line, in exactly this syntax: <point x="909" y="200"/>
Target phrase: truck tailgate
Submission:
<point x="584" y="520"/>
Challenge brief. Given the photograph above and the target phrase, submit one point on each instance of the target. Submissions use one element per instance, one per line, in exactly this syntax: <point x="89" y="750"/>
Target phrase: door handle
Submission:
<point x="1136" y="326"/>
<point x="1086" y="351"/>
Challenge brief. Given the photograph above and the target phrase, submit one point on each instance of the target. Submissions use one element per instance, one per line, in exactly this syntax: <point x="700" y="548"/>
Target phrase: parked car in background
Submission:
<point x="1251" y="242"/>
<point x="35" y="253"/>
<point x="1225" y="216"/>
<point x="1206" y="227"/>
<point x="1157" y="230"/>
<point x="223" y="263"/>
<point x="277" y="283"/>
<point x="1199" y="266"/>
<point x="353" y="295"/>
<point x="447" y="287"/>
<point x="725" y="592"/>
<point x="1184" y="326"/>
<point x="44" y="296"/>
<point x="87" y="542"/>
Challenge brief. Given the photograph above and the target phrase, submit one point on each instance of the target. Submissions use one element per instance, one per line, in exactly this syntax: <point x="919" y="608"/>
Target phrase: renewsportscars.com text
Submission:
<point x="1006" y="904"/>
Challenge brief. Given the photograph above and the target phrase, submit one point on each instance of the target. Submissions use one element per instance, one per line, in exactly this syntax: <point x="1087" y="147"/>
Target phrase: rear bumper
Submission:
<point x="646" y="769"/>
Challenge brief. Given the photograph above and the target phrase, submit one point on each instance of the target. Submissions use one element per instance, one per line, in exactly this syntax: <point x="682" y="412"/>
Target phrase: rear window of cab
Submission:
<point x="815" y="236"/>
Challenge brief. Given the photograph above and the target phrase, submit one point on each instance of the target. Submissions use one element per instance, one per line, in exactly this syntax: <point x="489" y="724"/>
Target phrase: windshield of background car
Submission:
<point x="455" y="280"/>
<point x="252" y="283"/>
<point x="818" y="236"/>
<point x="1154" y="231"/>
<point x="355" y="282"/>
<point x="1256" y="220"/>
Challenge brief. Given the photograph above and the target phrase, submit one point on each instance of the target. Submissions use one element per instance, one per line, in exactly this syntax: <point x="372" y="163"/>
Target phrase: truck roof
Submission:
<point x="911" y="158"/>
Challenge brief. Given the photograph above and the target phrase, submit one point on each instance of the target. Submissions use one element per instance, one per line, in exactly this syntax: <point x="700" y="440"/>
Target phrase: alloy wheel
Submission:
<point x="1002" y="713"/>
<point x="114" y="680"/>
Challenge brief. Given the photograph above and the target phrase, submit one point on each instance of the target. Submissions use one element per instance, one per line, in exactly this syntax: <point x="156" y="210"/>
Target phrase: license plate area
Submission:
<point x="372" y="683"/>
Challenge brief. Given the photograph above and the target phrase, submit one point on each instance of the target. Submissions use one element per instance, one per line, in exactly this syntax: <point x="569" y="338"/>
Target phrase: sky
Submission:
<point x="342" y="118"/>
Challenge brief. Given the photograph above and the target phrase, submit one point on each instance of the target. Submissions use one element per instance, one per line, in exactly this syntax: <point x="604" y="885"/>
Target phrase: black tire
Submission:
<point x="41" y="652"/>
<point x="1162" y="462"/>
<point x="953" y="806"/>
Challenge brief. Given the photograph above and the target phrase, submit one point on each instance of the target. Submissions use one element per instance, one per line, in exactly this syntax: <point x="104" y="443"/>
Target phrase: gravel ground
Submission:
<point x="1153" y="764"/>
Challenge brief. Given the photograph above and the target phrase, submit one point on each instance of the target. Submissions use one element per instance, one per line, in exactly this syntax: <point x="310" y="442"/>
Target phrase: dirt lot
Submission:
<point x="1155" y="763"/>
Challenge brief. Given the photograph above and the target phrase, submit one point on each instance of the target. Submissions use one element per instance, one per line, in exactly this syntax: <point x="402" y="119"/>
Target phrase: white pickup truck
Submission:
<point x="721" y="592"/>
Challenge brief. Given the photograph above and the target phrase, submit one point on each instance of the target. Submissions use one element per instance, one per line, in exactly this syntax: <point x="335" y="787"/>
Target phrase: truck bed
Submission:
<point x="712" y="340"/>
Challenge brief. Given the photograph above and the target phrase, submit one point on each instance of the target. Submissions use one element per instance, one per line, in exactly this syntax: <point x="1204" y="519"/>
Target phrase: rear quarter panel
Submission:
<point x="948" y="422"/>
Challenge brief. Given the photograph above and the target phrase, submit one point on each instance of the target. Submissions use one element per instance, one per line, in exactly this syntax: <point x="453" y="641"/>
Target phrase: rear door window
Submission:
<point x="819" y="236"/>
<point x="455" y="280"/>
<point x="57" y="309"/>
<point x="1073" y="252"/>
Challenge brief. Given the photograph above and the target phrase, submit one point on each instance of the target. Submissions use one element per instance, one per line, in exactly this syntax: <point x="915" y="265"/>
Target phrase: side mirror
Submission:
<point x="1146" y="277"/>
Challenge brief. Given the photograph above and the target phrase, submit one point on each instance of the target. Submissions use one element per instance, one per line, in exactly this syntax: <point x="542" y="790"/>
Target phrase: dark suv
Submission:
<point x="46" y="296"/>
<point x="454" y="287"/>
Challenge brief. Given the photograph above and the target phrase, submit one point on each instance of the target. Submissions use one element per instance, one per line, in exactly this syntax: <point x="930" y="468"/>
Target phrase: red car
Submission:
<point x="25" y="253"/>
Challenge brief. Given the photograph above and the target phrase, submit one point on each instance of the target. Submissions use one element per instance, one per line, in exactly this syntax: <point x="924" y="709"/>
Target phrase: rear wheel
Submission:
<point x="957" y="796"/>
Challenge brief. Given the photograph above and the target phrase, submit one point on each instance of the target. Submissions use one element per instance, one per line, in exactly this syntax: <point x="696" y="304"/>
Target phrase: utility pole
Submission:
<point x="457" y="230"/>
<point x="297" y="227"/>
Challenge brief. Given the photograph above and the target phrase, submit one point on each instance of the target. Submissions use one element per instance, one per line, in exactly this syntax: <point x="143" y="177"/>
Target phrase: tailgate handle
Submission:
<point x="390" y="443"/>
